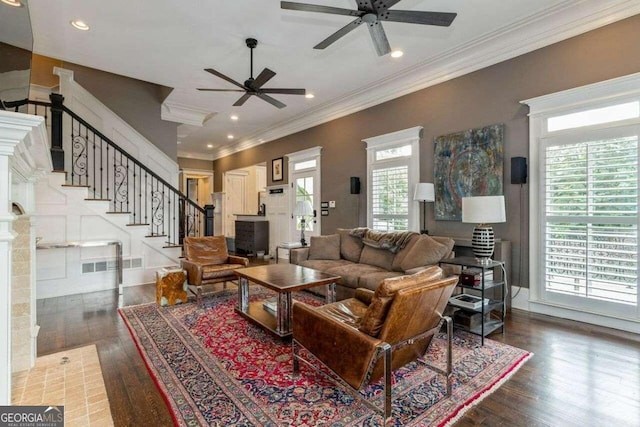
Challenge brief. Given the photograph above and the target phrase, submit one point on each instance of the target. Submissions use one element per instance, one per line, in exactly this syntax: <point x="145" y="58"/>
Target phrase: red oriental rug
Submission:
<point x="216" y="368"/>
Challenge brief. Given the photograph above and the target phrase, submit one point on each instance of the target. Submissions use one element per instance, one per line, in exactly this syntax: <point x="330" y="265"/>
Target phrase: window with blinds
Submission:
<point x="591" y="219"/>
<point x="390" y="198"/>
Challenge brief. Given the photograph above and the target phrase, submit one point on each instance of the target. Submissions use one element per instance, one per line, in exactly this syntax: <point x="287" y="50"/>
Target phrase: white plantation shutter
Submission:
<point x="390" y="198"/>
<point x="591" y="219"/>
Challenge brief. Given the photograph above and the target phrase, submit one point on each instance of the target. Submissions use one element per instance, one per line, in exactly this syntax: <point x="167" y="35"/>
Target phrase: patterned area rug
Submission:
<point x="216" y="368"/>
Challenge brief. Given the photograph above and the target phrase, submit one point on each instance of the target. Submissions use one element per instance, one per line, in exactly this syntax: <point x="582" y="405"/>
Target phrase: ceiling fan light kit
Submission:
<point x="253" y="87"/>
<point x="372" y="13"/>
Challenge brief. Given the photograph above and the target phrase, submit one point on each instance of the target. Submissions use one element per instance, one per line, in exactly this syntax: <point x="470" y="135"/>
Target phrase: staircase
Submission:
<point x="99" y="191"/>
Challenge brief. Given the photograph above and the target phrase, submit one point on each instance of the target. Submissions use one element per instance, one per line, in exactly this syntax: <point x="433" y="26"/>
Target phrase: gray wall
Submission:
<point x="485" y="97"/>
<point x="135" y="101"/>
<point x="185" y="163"/>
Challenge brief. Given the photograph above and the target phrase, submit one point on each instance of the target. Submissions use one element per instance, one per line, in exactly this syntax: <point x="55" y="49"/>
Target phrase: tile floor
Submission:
<point x="72" y="378"/>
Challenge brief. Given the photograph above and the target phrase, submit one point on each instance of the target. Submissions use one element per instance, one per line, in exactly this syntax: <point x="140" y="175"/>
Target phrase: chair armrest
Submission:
<point x="238" y="260"/>
<point x="194" y="272"/>
<point x="297" y="255"/>
<point x="364" y="295"/>
<point x="344" y="349"/>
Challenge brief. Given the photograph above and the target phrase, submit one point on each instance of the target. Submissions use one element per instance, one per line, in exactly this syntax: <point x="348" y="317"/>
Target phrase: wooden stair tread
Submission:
<point x="75" y="185"/>
<point x="135" y="224"/>
<point x="110" y="212"/>
<point x="172" y="246"/>
<point x="156" y="235"/>
<point x="98" y="200"/>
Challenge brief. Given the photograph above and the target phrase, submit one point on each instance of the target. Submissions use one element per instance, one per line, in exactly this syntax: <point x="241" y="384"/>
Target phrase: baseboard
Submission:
<point x="520" y="300"/>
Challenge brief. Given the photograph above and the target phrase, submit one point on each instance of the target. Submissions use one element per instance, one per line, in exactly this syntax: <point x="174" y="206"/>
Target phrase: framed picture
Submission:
<point x="276" y="169"/>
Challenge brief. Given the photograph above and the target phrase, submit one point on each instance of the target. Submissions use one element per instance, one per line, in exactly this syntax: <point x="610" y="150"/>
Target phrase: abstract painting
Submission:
<point x="468" y="163"/>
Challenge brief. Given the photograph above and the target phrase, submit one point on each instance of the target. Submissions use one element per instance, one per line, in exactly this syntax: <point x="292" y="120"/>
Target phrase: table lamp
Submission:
<point x="303" y="209"/>
<point x="424" y="192"/>
<point x="483" y="210"/>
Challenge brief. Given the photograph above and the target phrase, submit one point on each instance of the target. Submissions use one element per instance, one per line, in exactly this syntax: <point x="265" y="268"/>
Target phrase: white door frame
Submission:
<point x="313" y="153"/>
<point x="197" y="173"/>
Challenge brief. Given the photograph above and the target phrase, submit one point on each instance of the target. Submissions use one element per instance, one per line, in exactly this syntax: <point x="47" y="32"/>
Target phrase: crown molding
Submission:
<point x="567" y="19"/>
<point x="180" y="113"/>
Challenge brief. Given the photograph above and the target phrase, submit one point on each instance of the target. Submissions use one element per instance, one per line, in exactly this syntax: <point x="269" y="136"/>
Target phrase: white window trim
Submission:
<point x="609" y="92"/>
<point x="390" y="140"/>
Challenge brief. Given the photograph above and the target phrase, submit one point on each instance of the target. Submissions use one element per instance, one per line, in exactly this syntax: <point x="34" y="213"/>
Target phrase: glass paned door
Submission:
<point x="304" y="190"/>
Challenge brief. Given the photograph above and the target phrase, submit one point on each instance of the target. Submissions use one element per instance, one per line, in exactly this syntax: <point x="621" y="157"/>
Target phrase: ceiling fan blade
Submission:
<point x="389" y="3"/>
<point x="222" y="76"/>
<point x="442" y="19"/>
<point x="317" y="8"/>
<point x="285" y="91"/>
<point x="221" y="90"/>
<point x="379" y="38"/>
<point x="262" y="78"/>
<point x="341" y="32"/>
<point x="242" y="99"/>
<point x="271" y="100"/>
<point x="365" y="5"/>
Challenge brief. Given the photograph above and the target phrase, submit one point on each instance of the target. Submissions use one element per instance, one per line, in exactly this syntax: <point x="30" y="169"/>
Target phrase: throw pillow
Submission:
<point x="426" y="251"/>
<point x="350" y="246"/>
<point x="379" y="257"/>
<point x="325" y="247"/>
<point x="376" y="314"/>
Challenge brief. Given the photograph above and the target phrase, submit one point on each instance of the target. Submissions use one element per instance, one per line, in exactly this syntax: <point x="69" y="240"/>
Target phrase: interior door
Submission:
<point x="235" y="200"/>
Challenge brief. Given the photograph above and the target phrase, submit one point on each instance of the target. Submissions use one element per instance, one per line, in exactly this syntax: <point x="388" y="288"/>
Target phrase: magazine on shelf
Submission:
<point x="271" y="305"/>
<point x="467" y="301"/>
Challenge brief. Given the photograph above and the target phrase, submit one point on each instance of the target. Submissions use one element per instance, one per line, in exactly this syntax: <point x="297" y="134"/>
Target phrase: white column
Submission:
<point x="23" y="136"/>
<point x="6" y="237"/>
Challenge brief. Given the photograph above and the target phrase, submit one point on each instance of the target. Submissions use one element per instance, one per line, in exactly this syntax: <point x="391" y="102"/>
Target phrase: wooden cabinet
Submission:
<point x="252" y="237"/>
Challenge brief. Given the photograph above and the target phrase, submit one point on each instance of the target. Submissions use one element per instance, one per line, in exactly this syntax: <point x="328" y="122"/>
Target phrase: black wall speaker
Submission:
<point x="518" y="170"/>
<point x="355" y="185"/>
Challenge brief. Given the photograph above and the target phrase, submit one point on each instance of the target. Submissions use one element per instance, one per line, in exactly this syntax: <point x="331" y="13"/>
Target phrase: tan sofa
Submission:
<point x="365" y="266"/>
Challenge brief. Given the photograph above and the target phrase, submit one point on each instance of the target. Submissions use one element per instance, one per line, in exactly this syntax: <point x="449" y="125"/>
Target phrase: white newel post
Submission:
<point x="23" y="155"/>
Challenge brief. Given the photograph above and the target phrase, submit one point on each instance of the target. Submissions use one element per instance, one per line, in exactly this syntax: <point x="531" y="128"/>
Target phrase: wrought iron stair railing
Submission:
<point x="94" y="161"/>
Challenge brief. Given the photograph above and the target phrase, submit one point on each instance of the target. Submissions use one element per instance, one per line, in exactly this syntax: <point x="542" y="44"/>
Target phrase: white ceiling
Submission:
<point x="170" y="43"/>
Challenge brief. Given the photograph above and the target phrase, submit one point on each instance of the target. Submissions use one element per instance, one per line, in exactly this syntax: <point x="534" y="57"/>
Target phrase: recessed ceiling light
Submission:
<point x="234" y="117"/>
<point x="179" y="142"/>
<point x="14" y="3"/>
<point x="309" y="96"/>
<point x="397" y="54"/>
<point x="209" y="145"/>
<point x="229" y="136"/>
<point x="80" y="25"/>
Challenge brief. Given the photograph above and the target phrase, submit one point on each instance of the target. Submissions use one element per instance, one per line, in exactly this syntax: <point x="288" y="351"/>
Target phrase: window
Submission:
<point x="392" y="164"/>
<point x="584" y="203"/>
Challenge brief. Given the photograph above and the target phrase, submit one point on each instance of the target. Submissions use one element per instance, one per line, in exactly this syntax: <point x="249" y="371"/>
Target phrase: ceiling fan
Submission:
<point x="253" y="86"/>
<point x="372" y="13"/>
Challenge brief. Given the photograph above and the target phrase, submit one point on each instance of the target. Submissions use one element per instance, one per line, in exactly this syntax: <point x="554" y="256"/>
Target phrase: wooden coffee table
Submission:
<point x="284" y="279"/>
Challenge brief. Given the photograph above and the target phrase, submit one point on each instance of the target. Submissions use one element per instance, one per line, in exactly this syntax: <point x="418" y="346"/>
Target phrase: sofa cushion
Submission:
<point x="379" y="257"/>
<point x="324" y="265"/>
<point x="351" y="273"/>
<point x="401" y="255"/>
<point x="372" y="280"/>
<point x="350" y="246"/>
<point x="425" y="251"/>
<point x="383" y="297"/>
<point x="325" y="247"/>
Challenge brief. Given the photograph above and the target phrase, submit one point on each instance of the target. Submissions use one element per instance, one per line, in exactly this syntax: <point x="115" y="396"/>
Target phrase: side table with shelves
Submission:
<point x="485" y="289"/>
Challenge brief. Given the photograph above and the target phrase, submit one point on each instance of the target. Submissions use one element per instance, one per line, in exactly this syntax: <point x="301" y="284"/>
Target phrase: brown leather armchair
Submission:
<point x="367" y="337"/>
<point x="207" y="261"/>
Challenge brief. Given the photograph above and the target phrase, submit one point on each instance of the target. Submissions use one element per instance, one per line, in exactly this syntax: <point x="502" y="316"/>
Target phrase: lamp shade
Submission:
<point x="483" y="209"/>
<point x="303" y="208"/>
<point x="424" y="192"/>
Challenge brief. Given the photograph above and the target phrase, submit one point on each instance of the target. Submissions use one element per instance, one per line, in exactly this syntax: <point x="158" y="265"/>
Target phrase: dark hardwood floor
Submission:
<point x="580" y="375"/>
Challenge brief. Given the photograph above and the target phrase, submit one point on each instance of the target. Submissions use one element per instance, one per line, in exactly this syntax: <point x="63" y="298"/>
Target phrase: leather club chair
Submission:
<point x="365" y="338"/>
<point x="207" y="261"/>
